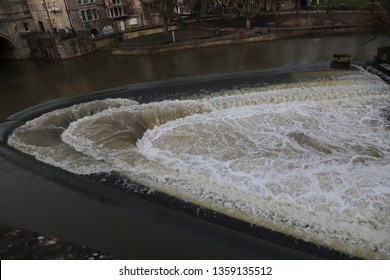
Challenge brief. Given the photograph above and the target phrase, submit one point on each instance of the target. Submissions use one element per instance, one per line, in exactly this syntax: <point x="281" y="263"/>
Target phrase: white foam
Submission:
<point x="333" y="186"/>
<point x="41" y="137"/>
<point x="309" y="159"/>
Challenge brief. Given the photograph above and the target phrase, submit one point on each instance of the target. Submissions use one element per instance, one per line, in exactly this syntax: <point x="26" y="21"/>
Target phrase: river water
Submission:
<point x="305" y="145"/>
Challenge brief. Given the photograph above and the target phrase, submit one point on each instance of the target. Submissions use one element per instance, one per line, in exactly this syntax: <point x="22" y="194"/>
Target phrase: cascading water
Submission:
<point x="310" y="159"/>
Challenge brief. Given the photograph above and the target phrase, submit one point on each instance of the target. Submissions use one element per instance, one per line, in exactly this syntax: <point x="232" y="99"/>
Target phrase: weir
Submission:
<point x="306" y="159"/>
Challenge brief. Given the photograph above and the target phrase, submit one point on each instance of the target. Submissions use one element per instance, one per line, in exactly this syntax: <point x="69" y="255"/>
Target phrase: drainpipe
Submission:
<point x="68" y="12"/>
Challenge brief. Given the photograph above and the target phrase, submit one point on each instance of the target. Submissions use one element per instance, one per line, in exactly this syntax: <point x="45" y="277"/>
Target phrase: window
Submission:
<point x="90" y="14"/>
<point x="26" y="27"/>
<point x="116" y="12"/>
<point x="152" y="6"/>
<point x="85" y="2"/>
<point x="83" y="16"/>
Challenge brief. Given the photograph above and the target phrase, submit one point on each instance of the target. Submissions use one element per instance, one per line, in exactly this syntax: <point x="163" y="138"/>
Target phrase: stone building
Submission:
<point x="99" y="16"/>
<point x="15" y="20"/>
<point x="125" y="14"/>
<point x="152" y="12"/>
<point x="87" y="15"/>
<point x="49" y="15"/>
<point x="52" y="16"/>
<point x="59" y="29"/>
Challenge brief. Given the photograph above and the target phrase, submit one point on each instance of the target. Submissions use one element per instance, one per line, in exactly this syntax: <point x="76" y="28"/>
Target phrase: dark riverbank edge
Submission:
<point x="155" y="90"/>
<point x="256" y="35"/>
<point x="219" y="31"/>
<point x="20" y="244"/>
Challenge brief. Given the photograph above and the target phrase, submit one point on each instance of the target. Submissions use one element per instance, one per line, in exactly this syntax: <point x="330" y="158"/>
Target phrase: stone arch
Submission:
<point x="8" y="48"/>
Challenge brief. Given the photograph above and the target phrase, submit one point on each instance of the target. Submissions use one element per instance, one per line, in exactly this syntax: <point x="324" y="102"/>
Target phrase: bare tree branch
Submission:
<point x="249" y="9"/>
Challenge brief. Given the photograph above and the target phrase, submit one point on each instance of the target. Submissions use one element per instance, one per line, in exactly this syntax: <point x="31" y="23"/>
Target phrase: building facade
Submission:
<point x="125" y="14"/>
<point x="100" y="16"/>
<point x="15" y="20"/>
<point x="59" y="28"/>
<point x="49" y="15"/>
<point x="86" y="15"/>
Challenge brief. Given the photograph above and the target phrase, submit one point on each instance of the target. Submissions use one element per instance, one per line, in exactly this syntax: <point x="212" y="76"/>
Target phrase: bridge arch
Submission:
<point x="8" y="48"/>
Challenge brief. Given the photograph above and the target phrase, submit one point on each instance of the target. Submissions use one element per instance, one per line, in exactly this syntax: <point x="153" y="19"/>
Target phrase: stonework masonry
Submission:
<point x="87" y="15"/>
<point x="48" y="15"/>
<point x="15" y="18"/>
<point x="58" y="29"/>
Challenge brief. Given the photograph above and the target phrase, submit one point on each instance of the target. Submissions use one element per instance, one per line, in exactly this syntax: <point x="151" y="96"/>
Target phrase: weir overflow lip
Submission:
<point x="181" y="218"/>
<point x="108" y="185"/>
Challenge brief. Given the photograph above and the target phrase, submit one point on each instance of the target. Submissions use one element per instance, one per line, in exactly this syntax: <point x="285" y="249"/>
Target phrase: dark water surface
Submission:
<point x="26" y="83"/>
<point x="38" y="200"/>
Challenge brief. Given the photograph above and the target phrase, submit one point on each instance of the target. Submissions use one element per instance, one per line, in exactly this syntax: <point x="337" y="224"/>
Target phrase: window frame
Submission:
<point x="89" y="14"/>
<point x="86" y="2"/>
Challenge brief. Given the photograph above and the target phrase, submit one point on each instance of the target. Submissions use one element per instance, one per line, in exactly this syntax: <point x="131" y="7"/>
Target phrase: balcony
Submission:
<point x="115" y="9"/>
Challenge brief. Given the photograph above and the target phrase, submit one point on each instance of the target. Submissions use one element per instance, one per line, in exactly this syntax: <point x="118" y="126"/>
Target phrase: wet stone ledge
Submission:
<point x="18" y="244"/>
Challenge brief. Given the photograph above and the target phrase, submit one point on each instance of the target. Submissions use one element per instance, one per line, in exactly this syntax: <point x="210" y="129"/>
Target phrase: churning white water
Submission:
<point x="310" y="159"/>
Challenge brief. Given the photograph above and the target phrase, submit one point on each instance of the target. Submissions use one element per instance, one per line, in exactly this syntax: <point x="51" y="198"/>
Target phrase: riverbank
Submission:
<point x="19" y="244"/>
<point x="269" y="26"/>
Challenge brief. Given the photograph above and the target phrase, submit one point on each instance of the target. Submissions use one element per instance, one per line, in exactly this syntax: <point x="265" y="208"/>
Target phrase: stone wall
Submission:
<point x="48" y="15"/>
<point x="383" y="54"/>
<point x="104" y="42"/>
<point x="79" y="13"/>
<point x="53" y="47"/>
<point x="123" y="50"/>
<point x="15" y="19"/>
<point x="143" y="32"/>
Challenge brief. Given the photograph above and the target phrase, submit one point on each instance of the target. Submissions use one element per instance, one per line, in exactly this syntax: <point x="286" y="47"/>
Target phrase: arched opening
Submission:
<point x="94" y="32"/>
<point x="7" y="49"/>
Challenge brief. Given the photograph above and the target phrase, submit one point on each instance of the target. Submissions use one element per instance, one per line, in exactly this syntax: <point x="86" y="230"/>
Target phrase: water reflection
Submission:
<point x="26" y="83"/>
